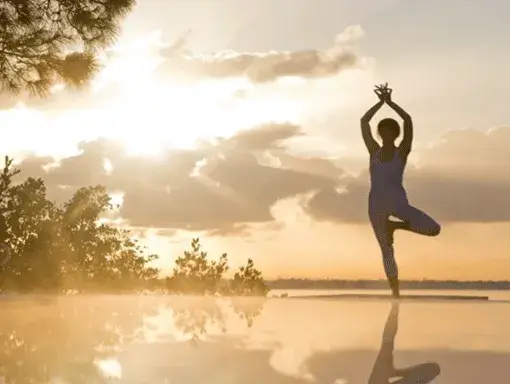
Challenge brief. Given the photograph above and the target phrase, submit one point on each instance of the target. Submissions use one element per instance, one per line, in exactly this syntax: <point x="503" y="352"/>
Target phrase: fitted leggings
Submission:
<point x="417" y="221"/>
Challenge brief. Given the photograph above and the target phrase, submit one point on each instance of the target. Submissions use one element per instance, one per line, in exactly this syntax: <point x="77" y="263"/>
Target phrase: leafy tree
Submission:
<point x="37" y="38"/>
<point x="194" y="273"/>
<point x="58" y="247"/>
<point x="27" y="223"/>
<point x="67" y="246"/>
<point x="100" y="253"/>
<point x="248" y="281"/>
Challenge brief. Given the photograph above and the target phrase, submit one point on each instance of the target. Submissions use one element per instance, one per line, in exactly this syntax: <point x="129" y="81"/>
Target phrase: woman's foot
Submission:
<point x="394" y="285"/>
<point x="393" y="226"/>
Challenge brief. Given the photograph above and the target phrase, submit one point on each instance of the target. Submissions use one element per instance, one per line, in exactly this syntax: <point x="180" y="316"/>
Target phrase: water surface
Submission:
<point x="162" y="339"/>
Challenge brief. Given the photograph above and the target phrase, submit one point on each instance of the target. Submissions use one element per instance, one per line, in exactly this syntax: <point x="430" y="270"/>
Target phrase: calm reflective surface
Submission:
<point x="157" y="339"/>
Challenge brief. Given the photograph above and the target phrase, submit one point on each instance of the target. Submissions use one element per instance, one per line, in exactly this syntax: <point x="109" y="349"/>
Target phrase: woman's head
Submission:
<point x="388" y="129"/>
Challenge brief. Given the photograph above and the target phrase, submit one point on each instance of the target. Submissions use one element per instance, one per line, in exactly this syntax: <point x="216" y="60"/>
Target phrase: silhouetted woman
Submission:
<point x="387" y="194"/>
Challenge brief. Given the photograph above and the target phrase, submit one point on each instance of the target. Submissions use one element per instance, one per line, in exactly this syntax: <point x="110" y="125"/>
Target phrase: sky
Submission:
<point x="238" y="122"/>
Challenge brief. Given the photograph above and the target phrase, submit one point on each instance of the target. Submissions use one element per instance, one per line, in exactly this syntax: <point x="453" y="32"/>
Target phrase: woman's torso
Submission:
<point x="386" y="175"/>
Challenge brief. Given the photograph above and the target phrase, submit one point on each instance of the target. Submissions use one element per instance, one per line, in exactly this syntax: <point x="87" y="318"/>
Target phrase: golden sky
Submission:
<point x="240" y="124"/>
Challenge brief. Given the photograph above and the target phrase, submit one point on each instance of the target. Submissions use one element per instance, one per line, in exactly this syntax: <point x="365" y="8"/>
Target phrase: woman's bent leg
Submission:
<point x="417" y="221"/>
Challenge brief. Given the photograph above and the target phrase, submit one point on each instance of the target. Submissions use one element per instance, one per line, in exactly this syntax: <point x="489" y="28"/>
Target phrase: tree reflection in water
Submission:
<point x="75" y="339"/>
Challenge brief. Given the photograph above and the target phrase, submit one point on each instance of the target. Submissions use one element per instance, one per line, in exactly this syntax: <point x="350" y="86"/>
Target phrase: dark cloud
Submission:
<point x="220" y="188"/>
<point x="229" y="186"/>
<point x="266" y="66"/>
<point x="309" y="165"/>
<point x="464" y="178"/>
<point x="265" y="137"/>
<point x="482" y="154"/>
<point x="230" y="190"/>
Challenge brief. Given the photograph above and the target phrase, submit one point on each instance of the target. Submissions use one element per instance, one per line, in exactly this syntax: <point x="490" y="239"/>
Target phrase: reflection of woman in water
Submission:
<point x="384" y="371"/>
<point x="387" y="194"/>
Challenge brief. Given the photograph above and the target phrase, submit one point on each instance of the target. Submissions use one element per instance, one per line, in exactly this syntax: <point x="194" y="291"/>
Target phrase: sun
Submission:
<point x="147" y="112"/>
<point x="153" y="116"/>
<point x="110" y="368"/>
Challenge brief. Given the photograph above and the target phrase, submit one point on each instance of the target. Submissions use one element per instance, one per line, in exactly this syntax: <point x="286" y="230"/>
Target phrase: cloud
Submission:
<point x="220" y="188"/>
<point x="266" y="66"/>
<point x="310" y="165"/>
<point x="484" y="154"/>
<point x="265" y="137"/>
<point x="231" y="185"/>
<point x="463" y="178"/>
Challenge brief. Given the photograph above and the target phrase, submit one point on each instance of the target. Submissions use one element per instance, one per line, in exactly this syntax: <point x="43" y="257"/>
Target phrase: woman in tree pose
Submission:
<point x="387" y="195"/>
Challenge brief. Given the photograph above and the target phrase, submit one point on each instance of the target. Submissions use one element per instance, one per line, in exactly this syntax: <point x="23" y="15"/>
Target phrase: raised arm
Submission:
<point x="407" y="141"/>
<point x="366" y="131"/>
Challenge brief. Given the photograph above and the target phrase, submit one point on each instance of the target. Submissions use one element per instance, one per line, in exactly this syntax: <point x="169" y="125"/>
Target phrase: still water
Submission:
<point x="165" y="339"/>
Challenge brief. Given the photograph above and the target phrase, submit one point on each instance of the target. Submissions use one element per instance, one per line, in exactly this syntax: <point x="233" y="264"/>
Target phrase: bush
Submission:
<point x="195" y="274"/>
<point x="60" y="247"/>
<point x="248" y="281"/>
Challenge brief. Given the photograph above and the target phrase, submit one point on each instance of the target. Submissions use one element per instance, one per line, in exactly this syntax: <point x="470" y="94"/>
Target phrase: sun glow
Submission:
<point x="131" y="104"/>
<point x="148" y="114"/>
<point x="110" y="368"/>
<point x="151" y="117"/>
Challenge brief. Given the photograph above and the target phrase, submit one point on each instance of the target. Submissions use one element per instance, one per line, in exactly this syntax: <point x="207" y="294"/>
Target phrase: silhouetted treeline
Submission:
<point x="383" y="284"/>
<point x="71" y="247"/>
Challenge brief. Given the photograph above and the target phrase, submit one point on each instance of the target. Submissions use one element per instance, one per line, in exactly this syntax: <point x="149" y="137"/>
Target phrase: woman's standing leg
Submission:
<point x="380" y="225"/>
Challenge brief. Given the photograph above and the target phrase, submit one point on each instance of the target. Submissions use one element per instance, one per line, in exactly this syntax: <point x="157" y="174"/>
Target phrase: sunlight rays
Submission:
<point x="146" y="114"/>
<point x="156" y="116"/>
